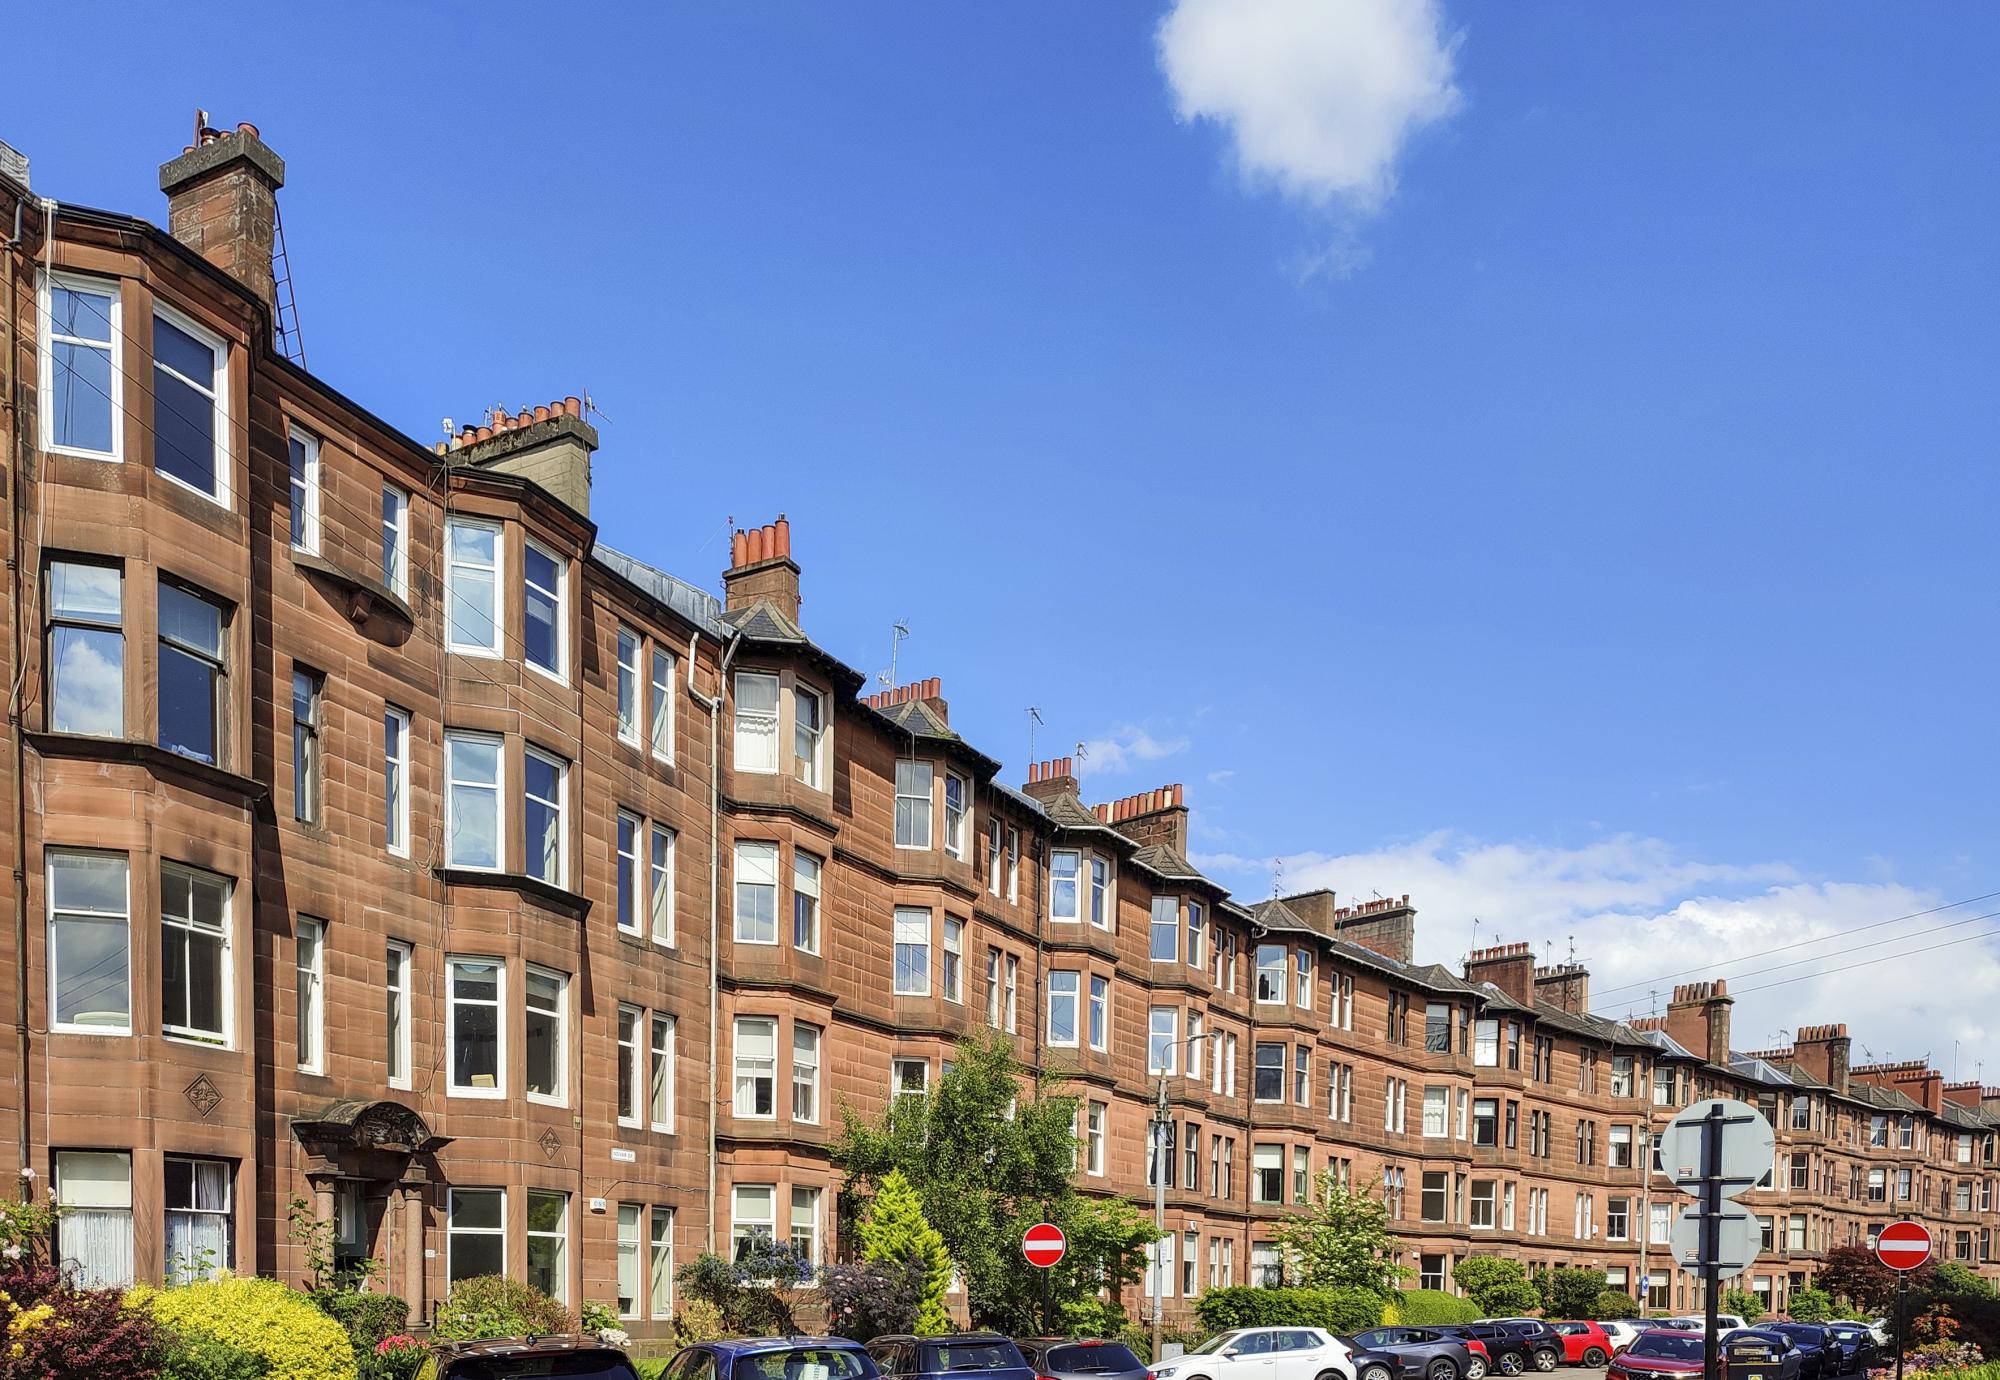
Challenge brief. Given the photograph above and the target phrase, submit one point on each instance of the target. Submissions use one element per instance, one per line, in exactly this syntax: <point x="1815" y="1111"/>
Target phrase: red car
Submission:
<point x="1585" y="1343"/>
<point x="1659" y="1355"/>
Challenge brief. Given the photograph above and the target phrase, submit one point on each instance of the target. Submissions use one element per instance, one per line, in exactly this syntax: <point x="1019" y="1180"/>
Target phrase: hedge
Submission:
<point x="1432" y="1307"/>
<point x="277" y="1324"/>
<point x="1342" y="1310"/>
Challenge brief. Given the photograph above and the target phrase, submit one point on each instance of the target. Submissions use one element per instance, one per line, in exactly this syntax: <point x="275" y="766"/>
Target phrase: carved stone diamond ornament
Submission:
<point x="551" y="1143"/>
<point x="203" y="1094"/>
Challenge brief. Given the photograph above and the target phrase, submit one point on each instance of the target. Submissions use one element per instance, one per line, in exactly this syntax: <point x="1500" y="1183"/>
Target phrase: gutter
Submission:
<point x="714" y="706"/>
<point x="18" y="449"/>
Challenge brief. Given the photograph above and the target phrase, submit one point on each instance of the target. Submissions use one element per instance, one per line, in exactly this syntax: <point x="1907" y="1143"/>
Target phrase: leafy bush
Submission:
<point x="867" y="1300"/>
<point x="56" y="1332"/>
<point x="894" y="1229"/>
<point x="278" y="1325"/>
<point x="1742" y="1302"/>
<point x="1568" y="1292"/>
<point x="699" y="1321"/>
<point x="1432" y="1307"/>
<point x="368" y="1318"/>
<point x="1482" y="1277"/>
<point x="495" y="1306"/>
<point x="1613" y="1303"/>
<point x="396" y="1357"/>
<point x="1511" y="1301"/>
<point x="1337" y="1310"/>
<point x="1810" y="1305"/>
<point x="749" y="1292"/>
<point x="198" y="1356"/>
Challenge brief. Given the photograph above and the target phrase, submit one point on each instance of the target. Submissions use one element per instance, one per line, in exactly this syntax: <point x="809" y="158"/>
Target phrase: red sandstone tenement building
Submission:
<point x="384" y="841"/>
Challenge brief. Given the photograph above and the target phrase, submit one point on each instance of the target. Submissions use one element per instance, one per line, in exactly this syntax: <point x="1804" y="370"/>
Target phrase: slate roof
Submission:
<point x="1886" y="1098"/>
<point x="1067" y="812"/>
<point x="1667" y="1045"/>
<point x="698" y="606"/>
<point x="1168" y="862"/>
<point x="1757" y="1070"/>
<point x="920" y="721"/>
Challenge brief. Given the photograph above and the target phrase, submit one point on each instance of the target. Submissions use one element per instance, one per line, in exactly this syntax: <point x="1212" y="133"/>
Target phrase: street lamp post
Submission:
<point x="1159" y="1126"/>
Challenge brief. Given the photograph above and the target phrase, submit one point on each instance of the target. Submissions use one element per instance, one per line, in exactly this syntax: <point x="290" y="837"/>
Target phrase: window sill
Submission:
<point x="366" y="600"/>
<point x="554" y="897"/>
<point x="158" y="760"/>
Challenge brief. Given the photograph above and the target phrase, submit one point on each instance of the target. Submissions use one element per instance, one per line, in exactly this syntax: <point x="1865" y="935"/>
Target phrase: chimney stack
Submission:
<point x="222" y="202"/>
<point x="1150" y="817"/>
<point x="551" y="445"/>
<point x="1698" y="1018"/>
<point x="761" y="568"/>
<point x="1565" y="985"/>
<point x="1824" y="1052"/>
<point x="1510" y="967"/>
<point x="1384" y="925"/>
<point x="1047" y="780"/>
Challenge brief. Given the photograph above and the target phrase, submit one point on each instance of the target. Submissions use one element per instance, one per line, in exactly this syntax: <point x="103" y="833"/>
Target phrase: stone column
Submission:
<point x="413" y="1188"/>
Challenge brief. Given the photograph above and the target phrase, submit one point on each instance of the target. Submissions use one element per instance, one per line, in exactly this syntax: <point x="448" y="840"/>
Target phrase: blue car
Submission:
<point x="989" y="1354"/>
<point x="773" y="1358"/>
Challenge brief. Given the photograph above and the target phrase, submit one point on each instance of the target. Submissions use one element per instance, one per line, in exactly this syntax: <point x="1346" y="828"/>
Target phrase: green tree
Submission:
<point x="1810" y="1305"/>
<point x="1743" y="1303"/>
<point x="1340" y="1241"/>
<point x="894" y="1229"/>
<point x="988" y="1159"/>
<point x="1485" y="1278"/>
<point x="1613" y="1304"/>
<point x="1568" y="1292"/>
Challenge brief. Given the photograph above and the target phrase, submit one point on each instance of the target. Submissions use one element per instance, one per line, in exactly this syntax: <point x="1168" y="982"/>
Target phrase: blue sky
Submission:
<point x="1538" y="457"/>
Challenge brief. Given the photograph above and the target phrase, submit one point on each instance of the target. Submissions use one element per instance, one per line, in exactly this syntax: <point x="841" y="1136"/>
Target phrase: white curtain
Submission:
<point x="97" y="1247"/>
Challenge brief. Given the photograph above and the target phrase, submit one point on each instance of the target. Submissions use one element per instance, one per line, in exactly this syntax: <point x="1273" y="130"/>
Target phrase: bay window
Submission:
<point x="756" y="892"/>
<point x="1166" y="929"/>
<point x="83" y="384"/>
<point x="1163" y="1029"/>
<point x="1271" y="974"/>
<point x="1062" y="1007"/>
<point x="85" y="652"/>
<point x="913" y="804"/>
<point x="756" y="1067"/>
<point x="194" y="953"/>
<point x="544" y="837"/>
<point x="193" y="673"/>
<point x="90" y="950"/>
<point x="472" y="800"/>
<point x="805" y="902"/>
<point x="474" y="1035"/>
<point x="808" y="736"/>
<point x="912" y="952"/>
<point x="756" y="722"/>
<point x="547" y="1001"/>
<point x="805" y="1072"/>
<point x="472" y="612"/>
<point x="190" y="418"/>
<point x="957" y="808"/>
<point x="1064" y="867"/>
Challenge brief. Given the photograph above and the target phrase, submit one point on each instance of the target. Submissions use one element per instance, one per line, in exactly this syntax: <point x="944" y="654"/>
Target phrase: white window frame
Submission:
<point x="759" y="848"/>
<point x="1076" y="884"/>
<point x="660" y="1262"/>
<point x="956" y="821"/>
<point x="1101" y="882"/>
<point x="805" y="1075"/>
<point x="744" y="1067"/>
<point x="185" y="1269"/>
<point x="397" y="958"/>
<point x="901" y="1064"/>
<point x="811" y="1196"/>
<point x="45" y="309"/>
<point x="951" y="960"/>
<point x="61" y="1193"/>
<point x="1171" y="1064"/>
<point x="559" y="672"/>
<point x="1074" y="999"/>
<point x="309" y="990"/>
<point x="452" y="1232"/>
<point x="631" y="1053"/>
<point x="561" y="804"/>
<point x="560" y="1097"/>
<point x="492" y="647"/>
<point x="662" y="882"/>
<point x="628" y="1245"/>
<point x="225" y="1037"/>
<point x="1165" y="917"/>
<point x="661" y="724"/>
<point x="217" y="388"/>
<point x="925" y="813"/>
<point x="1097" y="1022"/>
<point x="498" y="786"/>
<point x="630" y="873"/>
<point x="396" y="782"/>
<point x="628" y="685"/>
<point x="304" y="477"/>
<point x="663" y="1036"/>
<point x="810" y="765"/>
<point x="808" y="880"/>
<point x="60" y="617"/>
<point x="1302" y="978"/>
<point x="396" y="540"/>
<point x="746" y="1227"/>
<point x="87" y="916"/>
<point x="500" y="1023"/>
<point x="752" y="762"/>
<point x="903" y="921"/>
<point x="1013" y="865"/>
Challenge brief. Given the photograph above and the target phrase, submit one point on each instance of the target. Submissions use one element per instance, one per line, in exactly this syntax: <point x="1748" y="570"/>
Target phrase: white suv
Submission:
<point x="1725" y="1323"/>
<point x="1263" y="1353"/>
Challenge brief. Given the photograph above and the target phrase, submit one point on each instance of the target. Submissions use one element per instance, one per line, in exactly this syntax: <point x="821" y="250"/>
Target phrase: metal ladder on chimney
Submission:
<point x="290" y="344"/>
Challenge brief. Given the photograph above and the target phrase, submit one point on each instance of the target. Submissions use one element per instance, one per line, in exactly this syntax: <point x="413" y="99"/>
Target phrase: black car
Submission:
<point x="1058" y="1358"/>
<point x="1409" y="1353"/>
<point x="528" y="1358"/>
<point x="757" y="1358"/>
<point x="1819" y="1352"/>
<point x="1858" y="1348"/>
<point x="1761" y="1353"/>
<point x="1513" y="1347"/>
<point x="928" y="1358"/>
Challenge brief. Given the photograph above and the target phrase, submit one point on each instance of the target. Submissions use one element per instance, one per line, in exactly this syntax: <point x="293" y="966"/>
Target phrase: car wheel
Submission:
<point x="1475" y="1368"/>
<point x="1441" y="1369"/>
<point x="1331" y="1375"/>
<point x="1595" y="1356"/>
<point x="1509" y="1363"/>
<point x="1375" y="1373"/>
<point x="1546" y="1360"/>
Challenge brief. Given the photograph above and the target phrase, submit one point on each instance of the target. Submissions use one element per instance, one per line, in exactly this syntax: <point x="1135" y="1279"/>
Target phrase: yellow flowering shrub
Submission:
<point x="260" y="1316"/>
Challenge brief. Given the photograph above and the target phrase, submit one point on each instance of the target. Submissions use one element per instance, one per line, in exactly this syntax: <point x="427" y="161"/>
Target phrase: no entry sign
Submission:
<point x="1044" y="1244"/>
<point x="1903" y="1245"/>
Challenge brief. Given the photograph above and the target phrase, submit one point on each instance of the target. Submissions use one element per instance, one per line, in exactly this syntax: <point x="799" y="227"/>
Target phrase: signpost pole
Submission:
<point x="1902" y="1316"/>
<point x="1711" y="1244"/>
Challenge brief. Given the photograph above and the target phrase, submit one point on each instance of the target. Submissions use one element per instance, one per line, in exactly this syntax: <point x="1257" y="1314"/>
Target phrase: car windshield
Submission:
<point x="1215" y="1344"/>
<point x="1667" y="1346"/>
<point x="569" y="1365"/>
<point x="995" y="1354"/>
<point x="1091" y="1356"/>
<point x="804" y="1363"/>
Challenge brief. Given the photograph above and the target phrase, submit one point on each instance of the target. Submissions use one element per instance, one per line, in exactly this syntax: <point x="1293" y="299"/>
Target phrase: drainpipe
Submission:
<point x="714" y="706"/>
<point x="17" y="446"/>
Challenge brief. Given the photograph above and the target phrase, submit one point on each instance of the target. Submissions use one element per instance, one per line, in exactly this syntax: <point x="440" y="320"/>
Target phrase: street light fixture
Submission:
<point x="1158" y="1126"/>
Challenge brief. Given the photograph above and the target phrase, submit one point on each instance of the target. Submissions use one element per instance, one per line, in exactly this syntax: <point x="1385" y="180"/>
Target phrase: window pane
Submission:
<point x="89" y="940"/>
<point x="183" y="407"/>
<point x="541" y="608"/>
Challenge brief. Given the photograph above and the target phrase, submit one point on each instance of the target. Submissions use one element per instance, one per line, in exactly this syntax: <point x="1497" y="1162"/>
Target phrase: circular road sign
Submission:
<point x="1736" y="1240"/>
<point x="1747" y="1146"/>
<point x="1044" y="1244"/>
<point x="1903" y="1245"/>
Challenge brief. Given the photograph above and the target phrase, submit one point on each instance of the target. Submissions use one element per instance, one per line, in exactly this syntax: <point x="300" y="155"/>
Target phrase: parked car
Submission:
<point x="1263" y="1353"/>
<point x="1726" y="1324"/>
<point x="1585" y="1343"/>
<point x="1821" y="1352"/>
<point x="1621" y="1332"/>
<point x="1762" y="1353"/>
<point x="926" y="1358"/>
<point x="1059" y="1358"/>
<point x="1510" y="1348"/>
<point x="1409" y="1353"/>
<point x="757" y="1358"/>
<point x="1659" y="1352"/>
<point x="1858" y="1347"/>
<point x="527" y="1358"/>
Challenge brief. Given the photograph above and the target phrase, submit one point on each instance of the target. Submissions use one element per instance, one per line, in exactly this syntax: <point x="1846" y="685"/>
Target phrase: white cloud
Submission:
<point x="1319" y="97"/>
<point x="1220" y="777"/>
<point x="1644" y="916"/>
<point x="1124" y="748"/>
